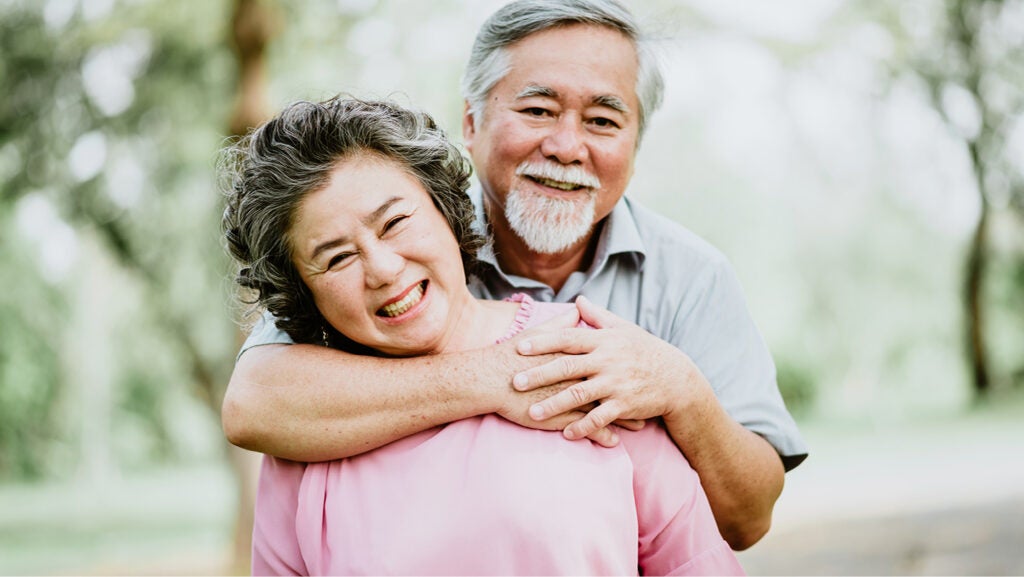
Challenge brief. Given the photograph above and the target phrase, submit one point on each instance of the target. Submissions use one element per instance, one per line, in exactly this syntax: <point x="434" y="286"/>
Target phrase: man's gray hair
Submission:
<point x="489" y="60"/>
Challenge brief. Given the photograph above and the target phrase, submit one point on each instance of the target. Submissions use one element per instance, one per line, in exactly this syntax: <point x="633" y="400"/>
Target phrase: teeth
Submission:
<point x="557" y="184"/>
<point x="397" y="308"/>
<point x="558" y="176"/>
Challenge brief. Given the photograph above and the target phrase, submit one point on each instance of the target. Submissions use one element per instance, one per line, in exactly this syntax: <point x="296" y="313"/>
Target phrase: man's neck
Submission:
<point x="516" y="258"/>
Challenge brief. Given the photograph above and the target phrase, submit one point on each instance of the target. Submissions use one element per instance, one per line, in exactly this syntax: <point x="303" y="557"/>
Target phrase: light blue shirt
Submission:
<point x="653" y="272"/>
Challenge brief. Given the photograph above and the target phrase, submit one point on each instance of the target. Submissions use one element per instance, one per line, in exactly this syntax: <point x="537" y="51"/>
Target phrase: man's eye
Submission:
<point x="604" y="122"/>
<point x="534" y="111"/>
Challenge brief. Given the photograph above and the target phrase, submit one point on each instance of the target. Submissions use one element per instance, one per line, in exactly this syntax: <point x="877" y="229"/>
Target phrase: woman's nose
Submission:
<point x="382" y="266"/>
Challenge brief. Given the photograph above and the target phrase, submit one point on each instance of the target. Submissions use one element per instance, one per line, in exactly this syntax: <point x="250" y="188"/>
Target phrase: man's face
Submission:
<point x="554" y="148"/>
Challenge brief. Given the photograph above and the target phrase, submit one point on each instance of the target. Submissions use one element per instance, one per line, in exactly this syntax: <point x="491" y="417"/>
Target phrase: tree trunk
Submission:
<point x="966" y="20"/>
<point x="251" y="30"/>
<point x="977" y="260"/>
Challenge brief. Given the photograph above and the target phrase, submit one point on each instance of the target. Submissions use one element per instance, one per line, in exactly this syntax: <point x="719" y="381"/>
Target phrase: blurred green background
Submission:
<point x="860" y="162"/>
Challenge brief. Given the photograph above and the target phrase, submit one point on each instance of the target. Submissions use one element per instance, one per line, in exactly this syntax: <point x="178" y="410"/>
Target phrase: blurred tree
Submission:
<point x="31" y="308"/>
<point x="30" y="320"/>
<point x="970" y="54"/>
<point x="110" y="120"/>
<point x="252" y="26"/>
<point x="982" y="71"/>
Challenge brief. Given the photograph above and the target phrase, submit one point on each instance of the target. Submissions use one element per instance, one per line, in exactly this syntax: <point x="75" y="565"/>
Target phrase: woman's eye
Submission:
<point x="338" y="259"/>
<point x="394" y="222"/>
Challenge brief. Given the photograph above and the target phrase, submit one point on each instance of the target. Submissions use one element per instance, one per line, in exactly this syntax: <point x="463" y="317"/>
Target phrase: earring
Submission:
<point x="323" y="335"/>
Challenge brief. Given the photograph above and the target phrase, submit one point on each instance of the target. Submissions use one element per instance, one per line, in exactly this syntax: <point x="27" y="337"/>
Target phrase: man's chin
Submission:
<point x="539" y="239"/>
<point x="548" y="225"/>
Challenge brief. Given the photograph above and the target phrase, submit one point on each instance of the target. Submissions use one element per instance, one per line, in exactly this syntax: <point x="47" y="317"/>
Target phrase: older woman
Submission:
<point x="352" y="226"/>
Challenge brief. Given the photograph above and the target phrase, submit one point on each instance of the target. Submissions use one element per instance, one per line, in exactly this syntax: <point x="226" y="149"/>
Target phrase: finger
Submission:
<point x="604" y="437"/>
<point x="599" y="418"/>
<point x="570" y="318"/>
<point x="559" y="422"/>
<point x="556" y="372"/>
<point x="573" y="341"/>
<point x="596" y="316"/>
<point x="573" y="397"/>
<point x="631" y="424"/>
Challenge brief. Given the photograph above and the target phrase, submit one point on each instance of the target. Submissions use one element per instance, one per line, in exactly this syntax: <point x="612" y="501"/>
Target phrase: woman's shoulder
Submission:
<point x="652" y="446"/>
<point x="532" y="313"/>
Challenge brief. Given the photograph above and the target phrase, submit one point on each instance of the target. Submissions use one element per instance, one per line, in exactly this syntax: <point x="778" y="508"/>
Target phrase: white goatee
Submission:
<point x="547" y="224"/>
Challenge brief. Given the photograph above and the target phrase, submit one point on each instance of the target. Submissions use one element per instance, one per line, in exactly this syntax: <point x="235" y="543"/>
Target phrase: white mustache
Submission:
<point x="561" y="173"/>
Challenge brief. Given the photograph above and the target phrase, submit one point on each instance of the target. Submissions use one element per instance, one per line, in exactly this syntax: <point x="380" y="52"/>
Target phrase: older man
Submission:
<point x="557" y="96"/>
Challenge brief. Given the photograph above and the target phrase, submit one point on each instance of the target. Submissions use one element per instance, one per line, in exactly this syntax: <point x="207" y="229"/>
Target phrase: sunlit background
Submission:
<point x="860" y="162"/>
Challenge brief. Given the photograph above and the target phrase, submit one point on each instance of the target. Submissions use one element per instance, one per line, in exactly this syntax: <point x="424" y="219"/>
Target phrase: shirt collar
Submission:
<point x="619" y="235"/>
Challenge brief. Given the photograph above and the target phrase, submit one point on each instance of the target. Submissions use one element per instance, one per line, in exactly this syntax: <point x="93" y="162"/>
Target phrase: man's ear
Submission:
<point x="468" y="127"/>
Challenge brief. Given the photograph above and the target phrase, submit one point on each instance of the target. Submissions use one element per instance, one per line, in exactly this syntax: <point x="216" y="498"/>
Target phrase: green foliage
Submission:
<point x="797" y="385"/>
<point x="112" y="119"/>
<point x="30" y="385"/>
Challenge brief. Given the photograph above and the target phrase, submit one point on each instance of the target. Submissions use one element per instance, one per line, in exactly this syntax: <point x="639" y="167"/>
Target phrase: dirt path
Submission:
<point x="976" y="540"/>
<point x="943" y="499"/>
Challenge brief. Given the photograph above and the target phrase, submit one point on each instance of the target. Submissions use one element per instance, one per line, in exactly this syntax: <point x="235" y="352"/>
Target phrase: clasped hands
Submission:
<point x="619" y="374"/>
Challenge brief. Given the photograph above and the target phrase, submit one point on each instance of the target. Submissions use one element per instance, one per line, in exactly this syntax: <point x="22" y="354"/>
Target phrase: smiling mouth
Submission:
<point x="558" y="184"/>
<point x="402" y="305"/>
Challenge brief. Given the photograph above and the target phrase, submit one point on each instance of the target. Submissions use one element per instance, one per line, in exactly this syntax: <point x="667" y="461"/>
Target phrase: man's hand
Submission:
<point x="516" y="404"/>
<point x="630" y="373"/>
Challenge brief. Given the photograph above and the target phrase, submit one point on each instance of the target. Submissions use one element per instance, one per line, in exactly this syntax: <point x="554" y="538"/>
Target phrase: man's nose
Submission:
<point x="382" y="266"/>
<point x="566" y="143"/>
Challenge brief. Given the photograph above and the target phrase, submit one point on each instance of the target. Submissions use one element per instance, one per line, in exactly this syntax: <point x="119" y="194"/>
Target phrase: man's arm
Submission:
<point x="311" y="403"/>
<point x="634" y="375"/>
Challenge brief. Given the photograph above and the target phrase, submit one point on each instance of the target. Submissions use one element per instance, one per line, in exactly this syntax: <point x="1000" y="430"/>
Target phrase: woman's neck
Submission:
<point x="479" y="323"/>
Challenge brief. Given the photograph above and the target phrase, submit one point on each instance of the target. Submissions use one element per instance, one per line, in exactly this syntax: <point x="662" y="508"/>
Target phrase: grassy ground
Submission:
<point x="164" y="522"/>
<point x="935" y="496"/>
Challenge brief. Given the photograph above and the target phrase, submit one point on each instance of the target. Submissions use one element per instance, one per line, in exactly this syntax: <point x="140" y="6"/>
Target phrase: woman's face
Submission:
<point x="380" y="259"/>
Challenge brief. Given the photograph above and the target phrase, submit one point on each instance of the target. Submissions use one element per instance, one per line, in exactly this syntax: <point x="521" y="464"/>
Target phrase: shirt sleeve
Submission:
<point x="275" y="544"/>
<point x="714" y="327"/>
<point x="678" y="534"/>
<point x="265" y="332"/>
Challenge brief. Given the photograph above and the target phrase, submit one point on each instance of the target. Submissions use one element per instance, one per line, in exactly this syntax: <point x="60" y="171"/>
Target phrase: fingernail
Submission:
<point x="525" y="347"/>
<point x="519" y="381"/>
<point x="537" y="412"/>
<point x="568" y="434"/>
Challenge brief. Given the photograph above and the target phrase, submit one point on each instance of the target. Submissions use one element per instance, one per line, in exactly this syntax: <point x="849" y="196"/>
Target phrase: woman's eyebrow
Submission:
<point x="381" y="210"/>
<point x="368" y="220"/>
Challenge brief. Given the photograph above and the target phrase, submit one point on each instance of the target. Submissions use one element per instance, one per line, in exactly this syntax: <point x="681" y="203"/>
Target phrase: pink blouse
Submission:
<point x="483" y="496"/>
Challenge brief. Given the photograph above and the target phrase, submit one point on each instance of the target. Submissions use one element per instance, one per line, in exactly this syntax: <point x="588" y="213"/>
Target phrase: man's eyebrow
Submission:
<point x="609" y="100"/>
<point x="537" y="90"/>
<point x="613" y="102"/>
<point x="368" y="220"/>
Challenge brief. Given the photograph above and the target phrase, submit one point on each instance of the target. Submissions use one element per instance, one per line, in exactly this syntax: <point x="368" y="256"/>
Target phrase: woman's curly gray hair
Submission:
<point x="267" y="174"/>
